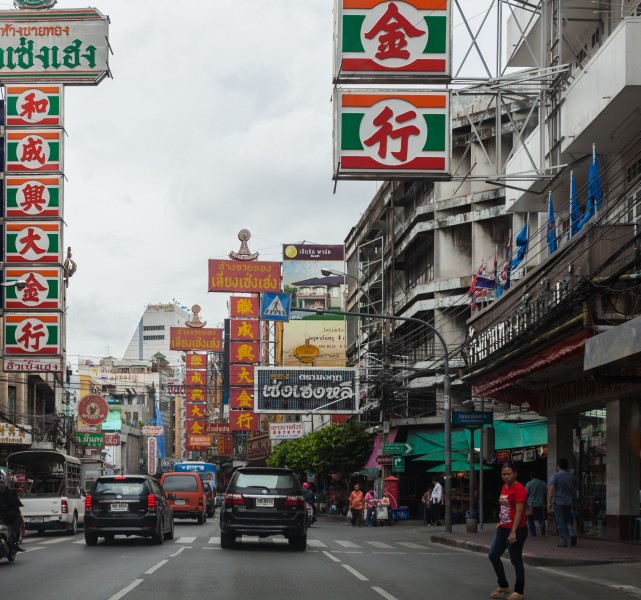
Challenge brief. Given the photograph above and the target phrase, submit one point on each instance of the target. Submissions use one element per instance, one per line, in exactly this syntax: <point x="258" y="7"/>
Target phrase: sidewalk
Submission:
<point x="541" y="550"/>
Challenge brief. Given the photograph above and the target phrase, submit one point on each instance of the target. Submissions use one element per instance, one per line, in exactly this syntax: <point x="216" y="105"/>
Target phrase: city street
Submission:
<point x="341" y="562"/>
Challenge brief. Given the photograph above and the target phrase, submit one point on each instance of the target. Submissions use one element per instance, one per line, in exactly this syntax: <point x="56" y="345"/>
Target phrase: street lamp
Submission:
<point x="19" y="284"/>
<point x="447" y="407"/>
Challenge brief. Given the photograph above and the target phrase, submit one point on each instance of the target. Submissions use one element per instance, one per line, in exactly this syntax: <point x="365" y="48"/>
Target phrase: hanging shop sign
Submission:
<point x="391" y="135"/>
<point x="195" y="442"/>
<point x="241" y="375"/>
<point x="42" y="289"/>
<point x="243" y="420"/>
<point x="32" y="334"/>
<point x="15" y="434"/>
<point x="302" y="390"/>
<point x="28" y="197"/>
<point x="152" y="455"/>
<point x="112" y="439"/>
<point x="224" y="445"/>
<point x="242" y="306"/>
<point x="33" y="242"/>
<point x="196" y="360"/>
<point x="30" y="105"/>
<point x="244" y="352"/>
<point x="195" y="410"/>
<point x="238" y="276"/>
<point x="90" y="440"/>
<point x="32" y="364"/>
<point x="285" y="431"/>
<point x="32" y="150"/>
<point x="241" y="398"/>
<point x="61" y="46"/>
<point x="405" y="41"/>
<point x="244" y="329"/>
<point x="313" y="252"/>
<point x="217" y="428"/>
<point x="93" y="409"/>
<point x="259" y="447"/>
<point x="204" y="338"/>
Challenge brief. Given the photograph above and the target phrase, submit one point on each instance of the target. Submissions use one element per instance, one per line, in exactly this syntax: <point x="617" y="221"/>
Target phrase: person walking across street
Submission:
<point x="561" y="501"/>
<point x="437" y="501"/>
<point x="370" y="504"/>
<point x="426" y="500"/>
<point x="510" y="535"/>
<point x="356" y="506"/>
<point x="10" y="509"/>
<point x="536" y="489"/>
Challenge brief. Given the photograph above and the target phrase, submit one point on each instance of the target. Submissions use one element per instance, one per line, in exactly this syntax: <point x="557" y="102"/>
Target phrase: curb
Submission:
<point x="535" y="560"/>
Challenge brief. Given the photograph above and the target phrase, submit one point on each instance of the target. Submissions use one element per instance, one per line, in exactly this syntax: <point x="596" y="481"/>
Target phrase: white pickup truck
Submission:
<point x="49" y="486"/>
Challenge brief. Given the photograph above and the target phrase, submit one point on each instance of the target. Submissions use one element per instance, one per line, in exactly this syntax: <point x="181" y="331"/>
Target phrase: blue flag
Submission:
<point x="551" y="227"/>
<point x="160" y="441"/>
<point x="594" y="183"/>
<point x="521" y="248"/>
<point x="575" y="209"/>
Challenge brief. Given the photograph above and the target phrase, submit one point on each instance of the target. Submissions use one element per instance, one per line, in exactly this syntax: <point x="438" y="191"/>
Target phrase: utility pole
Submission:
<point x="447" y="406"/>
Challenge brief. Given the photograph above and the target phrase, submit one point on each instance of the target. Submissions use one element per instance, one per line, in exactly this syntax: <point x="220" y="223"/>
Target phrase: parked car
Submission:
<point x="127" y="505"/>
<point x="264" y="501"/>
<point x="210" y="499"/>
<point x="188" y="493"/>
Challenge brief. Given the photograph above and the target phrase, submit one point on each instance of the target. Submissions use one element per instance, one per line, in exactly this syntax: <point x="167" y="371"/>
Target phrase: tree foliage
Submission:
<point x="342" y="448"/>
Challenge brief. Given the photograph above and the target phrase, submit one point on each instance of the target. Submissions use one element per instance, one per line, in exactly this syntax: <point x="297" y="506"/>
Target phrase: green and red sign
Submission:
<point x="33" y="150"/>
<point x="42" y="289"/>
<point x="32" y="333"/>
<point x="33" y="197"/>
<point x="381" y="41"/>
<point x="31" y="105"/>
<point x="391" y="134"/>
<point x="33" y="242"/>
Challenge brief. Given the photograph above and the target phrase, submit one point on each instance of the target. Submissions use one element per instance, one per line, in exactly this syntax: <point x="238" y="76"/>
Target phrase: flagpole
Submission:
<point x="596" y="208"/>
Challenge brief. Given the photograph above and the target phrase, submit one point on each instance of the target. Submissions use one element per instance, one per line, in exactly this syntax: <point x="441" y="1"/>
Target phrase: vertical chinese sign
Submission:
<point x="41" y="51"/>
<point x="392" y="133"/>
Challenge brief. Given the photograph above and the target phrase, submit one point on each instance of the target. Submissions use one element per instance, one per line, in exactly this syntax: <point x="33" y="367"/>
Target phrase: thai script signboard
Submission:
<point x="243" y="420"/>
<point x="285" y="431"/>
<point x="62" y="46"/>
<point x="217" y="428"/>
<point x="302" y="390"/>
<point x="237" y="276"/>
<point x="35" y="364"/>
<point x="406" y="41"/>
<point x="203" y="338"/>
<point x="391" y="134"/>
<point x="14" y="434"/>
<point x="91" y="440"/>
<point x="33" y="196"/>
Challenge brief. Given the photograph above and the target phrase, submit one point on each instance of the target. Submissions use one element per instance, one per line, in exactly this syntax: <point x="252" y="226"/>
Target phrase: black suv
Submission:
<point x="264" y="501"/>
<point x="127" y="505"/>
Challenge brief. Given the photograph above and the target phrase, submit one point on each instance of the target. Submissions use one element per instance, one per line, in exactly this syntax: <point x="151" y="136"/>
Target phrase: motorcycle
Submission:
<point x="311" y="517"/>
<point x="8" y="542"/>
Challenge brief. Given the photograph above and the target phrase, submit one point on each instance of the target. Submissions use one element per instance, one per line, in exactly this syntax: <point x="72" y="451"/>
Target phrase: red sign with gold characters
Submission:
<point x="242" y="306"/>
<point x="243" y="420"/>
<point x="244" y="352"/>
<point x="238" y="276"/>
<point x="194" y="411"/>
<point x="195" y="394"/>
<point x="241" y="398"/>
<point x="241" y="375"/>
<point x="224" y="445"/>
<point x="217" y="428"/>
<point x="244" y="329"/>
<point x="195" y="378"/>
<point x="195" y="360"/>
<point x="93" y="409"/>
<point x="203" y="338"/>
<point x="193" y="427"/>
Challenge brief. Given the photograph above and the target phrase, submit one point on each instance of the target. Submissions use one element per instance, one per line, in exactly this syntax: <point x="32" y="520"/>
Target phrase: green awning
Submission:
<point x="372" y="472"/>
<point x="430" y="442"/>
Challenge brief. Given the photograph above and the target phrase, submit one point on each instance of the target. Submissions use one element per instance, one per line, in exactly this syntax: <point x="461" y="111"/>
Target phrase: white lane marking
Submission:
<point x="125" y="591"/>
<point x="156" y="567"/>
<point x="180" y="550"/>
<point x="383" y="593"/>
<point x="316" y="544"/>
<point x="356" y="574"/>
<point x="28" y="540"/>
<point x="214" y="540"/>
<point x="35" y="548"/>
<point x="412" y="545"/>
<point x="81" y="542"/>
<point x="186" y="540"/>
<point x="331" y="556"/>
<point x="56" y="540"/>
<point x="347" y="544"/>
<point x="392" y="552"/>
<point x="379" y="544"/>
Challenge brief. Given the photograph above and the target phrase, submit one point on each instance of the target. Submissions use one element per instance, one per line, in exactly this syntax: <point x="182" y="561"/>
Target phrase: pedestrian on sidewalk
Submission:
<point x="510" y="535"/>
<point x="536" y="489"/>
<point x="356" y="505"/>
<point x="426" y="500"/>
<point x="370" y="503"/>
<point x="561" y="493"/>
<point x="437" y="501"/>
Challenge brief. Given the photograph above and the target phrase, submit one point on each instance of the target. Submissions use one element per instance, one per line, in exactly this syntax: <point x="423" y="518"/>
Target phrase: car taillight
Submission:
<point x="88" y="502"/>
<point x="151" y="503"/>
<point x="234" y="500"/>
<point x="119" y="478"/>
<point x="65" y="507"/>
<point x="297" y="501"/>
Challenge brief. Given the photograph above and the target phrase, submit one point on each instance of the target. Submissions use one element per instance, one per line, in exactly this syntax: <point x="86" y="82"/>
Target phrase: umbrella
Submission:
<point x="457" y="465"/>
<point x="439" y="456"/>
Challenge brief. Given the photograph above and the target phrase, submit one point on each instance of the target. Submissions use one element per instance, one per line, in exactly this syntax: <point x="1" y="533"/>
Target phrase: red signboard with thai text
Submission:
<point x="238" y="276"/>
<point x="217" y="428"/>
<point x="204" y="338"/>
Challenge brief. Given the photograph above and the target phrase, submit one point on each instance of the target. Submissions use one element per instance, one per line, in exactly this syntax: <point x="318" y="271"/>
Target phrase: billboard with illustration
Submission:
<point x="314" y="275"/>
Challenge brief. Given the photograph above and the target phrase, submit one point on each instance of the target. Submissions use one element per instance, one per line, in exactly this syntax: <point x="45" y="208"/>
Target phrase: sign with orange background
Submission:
<point x="244" y="329"/>
<point x="243" y="306"/>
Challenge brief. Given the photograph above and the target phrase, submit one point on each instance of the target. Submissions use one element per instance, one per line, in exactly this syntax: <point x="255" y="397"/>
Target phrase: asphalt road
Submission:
<point x="341" y="562"/>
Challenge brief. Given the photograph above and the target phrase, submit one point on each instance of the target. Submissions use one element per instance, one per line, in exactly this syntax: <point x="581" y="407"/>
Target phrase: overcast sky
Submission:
<point x="218" y="118"/>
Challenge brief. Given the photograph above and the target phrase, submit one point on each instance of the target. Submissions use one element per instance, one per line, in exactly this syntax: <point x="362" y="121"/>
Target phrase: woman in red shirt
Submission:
<point x="510" y="535"/>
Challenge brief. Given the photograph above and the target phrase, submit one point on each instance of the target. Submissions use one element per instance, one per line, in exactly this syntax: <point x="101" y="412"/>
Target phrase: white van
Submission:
<point x="49" y="484"/>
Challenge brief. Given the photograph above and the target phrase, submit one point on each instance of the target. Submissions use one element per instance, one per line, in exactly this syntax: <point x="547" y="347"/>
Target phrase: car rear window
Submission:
<point x="271" y="481"/>
<point x="180" y="483"/>
<point x="123" y="488"/>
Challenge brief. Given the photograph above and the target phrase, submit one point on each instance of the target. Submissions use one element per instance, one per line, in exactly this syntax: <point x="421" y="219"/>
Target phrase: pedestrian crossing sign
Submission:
<point x="274" y="306"/>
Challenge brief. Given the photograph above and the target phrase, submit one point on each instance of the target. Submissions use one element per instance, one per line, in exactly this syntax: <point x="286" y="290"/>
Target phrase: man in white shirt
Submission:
<point x="437" y="501"/>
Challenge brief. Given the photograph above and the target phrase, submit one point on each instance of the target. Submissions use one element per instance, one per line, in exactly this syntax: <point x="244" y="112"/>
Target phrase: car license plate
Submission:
<point x="265" y="502"/>
<point x="181" y="502"/>
<point x="36" y="519"/>
<point x="119" y="507"/>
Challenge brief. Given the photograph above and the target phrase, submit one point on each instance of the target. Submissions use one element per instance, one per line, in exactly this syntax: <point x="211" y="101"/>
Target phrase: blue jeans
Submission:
<point x="565" y="523"/>
<point x="499" y="546"/>
<point x="371" y="514"/>
<point x="536" y="516"/>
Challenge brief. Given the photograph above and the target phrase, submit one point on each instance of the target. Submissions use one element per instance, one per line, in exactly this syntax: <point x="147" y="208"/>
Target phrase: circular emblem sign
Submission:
<point x="93" y="410"/>
<point x="34" y="4"/>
